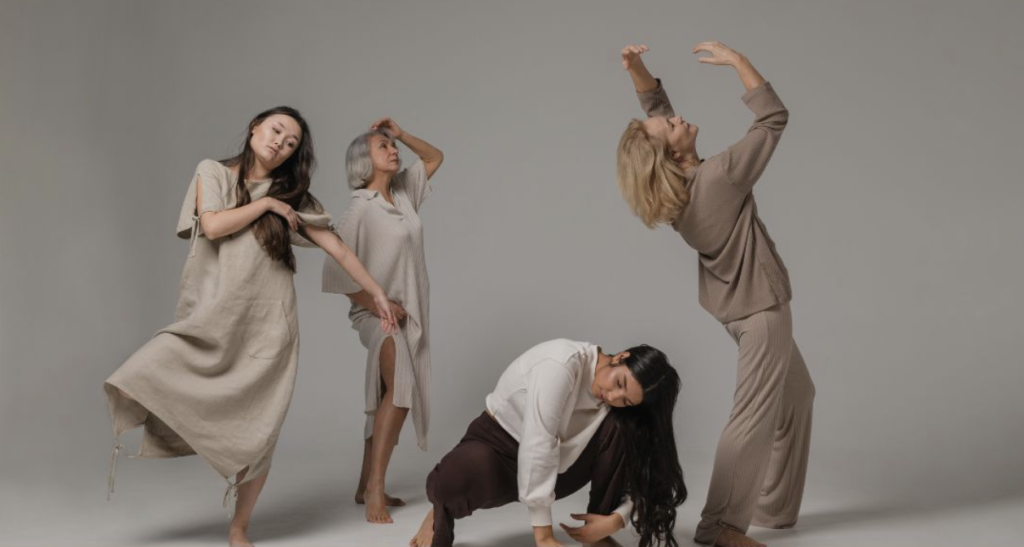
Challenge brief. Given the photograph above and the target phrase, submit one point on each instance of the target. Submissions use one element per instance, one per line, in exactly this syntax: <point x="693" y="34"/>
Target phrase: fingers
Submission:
<point x="631" y="53"/>
<point x="574" y="533"/>
<point x="383" y="122"/>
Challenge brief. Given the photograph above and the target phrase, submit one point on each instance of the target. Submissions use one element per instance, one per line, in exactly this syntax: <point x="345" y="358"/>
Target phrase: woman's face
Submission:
<point x="384" y="154"/>
<point x="680" y="135"/>
<point x="615" y="384"/>
<point x="275" y="139"/>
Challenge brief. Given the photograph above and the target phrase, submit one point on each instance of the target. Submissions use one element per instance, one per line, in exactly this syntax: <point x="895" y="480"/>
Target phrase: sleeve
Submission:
<point x="744" y="161"/>
<point x="216" y="197"/>
<point x="548" y="388"/>
<point x="655" y="102"/>
<point x="414" y="183"/>
<point x="311" y="212"/>
<point x="335" y="279"/>
<point x="625" y="509"/>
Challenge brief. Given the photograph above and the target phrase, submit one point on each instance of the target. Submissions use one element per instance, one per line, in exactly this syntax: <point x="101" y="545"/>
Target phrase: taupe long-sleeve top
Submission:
<point x="741" y="273"/>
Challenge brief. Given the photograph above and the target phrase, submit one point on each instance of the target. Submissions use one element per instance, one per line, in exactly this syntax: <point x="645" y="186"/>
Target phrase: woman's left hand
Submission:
<point x="721" y="54"/>
<point x="597" y="527"/>
<point x="390" y="125"/>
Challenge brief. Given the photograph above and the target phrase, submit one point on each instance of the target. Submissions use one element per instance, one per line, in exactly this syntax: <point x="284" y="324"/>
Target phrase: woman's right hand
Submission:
<point x="631" y="55"/>
<point x="388" y="320"/>
<point x="396" y="309"/>
<point x="283" y="210"/>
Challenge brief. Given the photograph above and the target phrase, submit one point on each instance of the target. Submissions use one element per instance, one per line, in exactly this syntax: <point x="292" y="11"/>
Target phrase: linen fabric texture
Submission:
<point x="388" y="239"/>
<point x="218" y="381"/>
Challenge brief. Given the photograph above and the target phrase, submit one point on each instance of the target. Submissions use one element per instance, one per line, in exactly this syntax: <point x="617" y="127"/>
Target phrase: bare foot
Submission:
<point x="425" y="535"/>
<point x="732" y="538"/>
<point x="376" y="508"/>
<point x="389" y="501"/>
<point x="237" y="538"/>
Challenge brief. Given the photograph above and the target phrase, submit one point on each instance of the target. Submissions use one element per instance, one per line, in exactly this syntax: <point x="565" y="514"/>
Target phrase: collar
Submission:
<point x="365" y="193"/>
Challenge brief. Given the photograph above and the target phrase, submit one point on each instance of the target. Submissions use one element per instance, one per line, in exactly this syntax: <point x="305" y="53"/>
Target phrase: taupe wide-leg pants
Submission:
<point x="761" y="460"/>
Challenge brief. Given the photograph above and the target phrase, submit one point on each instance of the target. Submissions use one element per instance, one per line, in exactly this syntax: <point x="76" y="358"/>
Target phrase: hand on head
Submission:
<point x="388" y="124"/>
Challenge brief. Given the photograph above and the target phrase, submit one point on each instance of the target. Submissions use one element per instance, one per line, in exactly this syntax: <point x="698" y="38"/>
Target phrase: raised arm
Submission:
<point x="746" y="160"/>
<point x="723" y="55"/>
<point x="652" y="96"/>
<point x="432" y="157"/>
<point x="343" y="255"/>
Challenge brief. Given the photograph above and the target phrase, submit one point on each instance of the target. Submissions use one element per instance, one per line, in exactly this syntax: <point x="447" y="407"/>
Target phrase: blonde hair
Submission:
<point x="650" y="181"/>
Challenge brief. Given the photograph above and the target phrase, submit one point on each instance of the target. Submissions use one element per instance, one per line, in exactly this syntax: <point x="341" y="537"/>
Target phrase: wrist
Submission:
<point x="620" y="522"/>
<point x="541" y="533"/>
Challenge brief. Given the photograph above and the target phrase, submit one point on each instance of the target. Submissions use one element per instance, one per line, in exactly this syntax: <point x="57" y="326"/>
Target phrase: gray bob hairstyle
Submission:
<point x="357" y="159"/>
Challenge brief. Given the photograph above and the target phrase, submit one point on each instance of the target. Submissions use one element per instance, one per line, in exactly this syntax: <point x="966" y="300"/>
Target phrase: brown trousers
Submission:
<point x="761" y="460"/>
<point x="481" y="473"/>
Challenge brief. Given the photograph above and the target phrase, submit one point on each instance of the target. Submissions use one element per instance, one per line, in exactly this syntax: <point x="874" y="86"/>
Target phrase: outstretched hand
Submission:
<point x="631" y="54"/>
<point x="596" y="527"/>
<point x="721" y="54"/>
<point x="389" y="125"/>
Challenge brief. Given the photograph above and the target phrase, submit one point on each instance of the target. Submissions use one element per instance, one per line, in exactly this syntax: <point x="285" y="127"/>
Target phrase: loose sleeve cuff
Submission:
<point x="624" y="510"/>
<point x="762" y="99"/>
<point x="540" y="515"/>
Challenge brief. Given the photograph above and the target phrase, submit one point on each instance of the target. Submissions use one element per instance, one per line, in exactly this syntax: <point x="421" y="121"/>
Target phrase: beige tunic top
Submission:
<point x="388" y="239"/>
<point x="740" y="271"/>
<point x="218" y="381"/>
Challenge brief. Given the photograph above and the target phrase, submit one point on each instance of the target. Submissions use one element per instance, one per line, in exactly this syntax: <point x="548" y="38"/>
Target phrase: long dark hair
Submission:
<point x="654" y="478"/>
<point x="290" y="185"/>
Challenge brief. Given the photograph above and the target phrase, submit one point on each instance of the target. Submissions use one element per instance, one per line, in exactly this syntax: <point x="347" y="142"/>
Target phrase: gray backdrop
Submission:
<point x="894" y="198"/>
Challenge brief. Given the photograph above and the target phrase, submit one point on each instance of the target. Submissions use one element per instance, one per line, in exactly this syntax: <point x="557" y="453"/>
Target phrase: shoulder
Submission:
<point x="213" y="171"/>
<point x="563" y="351"/>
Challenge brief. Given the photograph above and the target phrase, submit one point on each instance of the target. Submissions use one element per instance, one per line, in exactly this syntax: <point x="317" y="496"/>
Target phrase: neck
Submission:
<point x="381" y="182"/>
<point x="689" y="160"/>
<point x="259" y="171"/>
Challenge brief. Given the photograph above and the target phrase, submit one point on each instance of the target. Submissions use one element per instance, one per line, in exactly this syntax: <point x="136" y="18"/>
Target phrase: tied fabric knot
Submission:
<point x="195" y="236"/>
<point x="113" y="467"/>
<point x="230" y="497"/>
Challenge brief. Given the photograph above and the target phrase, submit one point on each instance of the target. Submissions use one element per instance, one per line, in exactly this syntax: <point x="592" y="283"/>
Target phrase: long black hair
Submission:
<point x="290" y="184"/>
<point x="654" y="478"/>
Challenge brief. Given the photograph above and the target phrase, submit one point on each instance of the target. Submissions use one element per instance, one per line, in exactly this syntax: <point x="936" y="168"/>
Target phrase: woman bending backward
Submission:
<point x="761" y="460"/>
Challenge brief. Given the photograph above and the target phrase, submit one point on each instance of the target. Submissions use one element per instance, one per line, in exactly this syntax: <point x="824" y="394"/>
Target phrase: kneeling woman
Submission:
<point x="564" y="414"/>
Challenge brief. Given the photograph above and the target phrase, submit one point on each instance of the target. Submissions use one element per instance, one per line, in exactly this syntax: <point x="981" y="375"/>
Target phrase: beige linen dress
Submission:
<point x="218" y="381"/>
<point x="388" y="239"/>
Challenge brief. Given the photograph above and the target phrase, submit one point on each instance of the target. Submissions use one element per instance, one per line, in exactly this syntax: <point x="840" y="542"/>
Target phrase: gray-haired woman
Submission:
<point x="382" y="226"/>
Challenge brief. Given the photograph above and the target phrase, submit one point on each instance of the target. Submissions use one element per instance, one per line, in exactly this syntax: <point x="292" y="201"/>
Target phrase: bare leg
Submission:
<point x="364" y="476"/>
<point x="247" y="495"/>
<point x="386" y="427"/>
<point x="425" y="535"/>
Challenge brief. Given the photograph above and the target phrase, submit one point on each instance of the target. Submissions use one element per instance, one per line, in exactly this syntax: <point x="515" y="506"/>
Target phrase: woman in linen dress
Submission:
<point x="761" y="460"/>
<point x="218" y="381"/>
<point x="383" y="227"/>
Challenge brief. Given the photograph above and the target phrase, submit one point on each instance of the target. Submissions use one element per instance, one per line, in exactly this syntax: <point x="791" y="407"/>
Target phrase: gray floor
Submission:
<point x="307" y="502"/>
